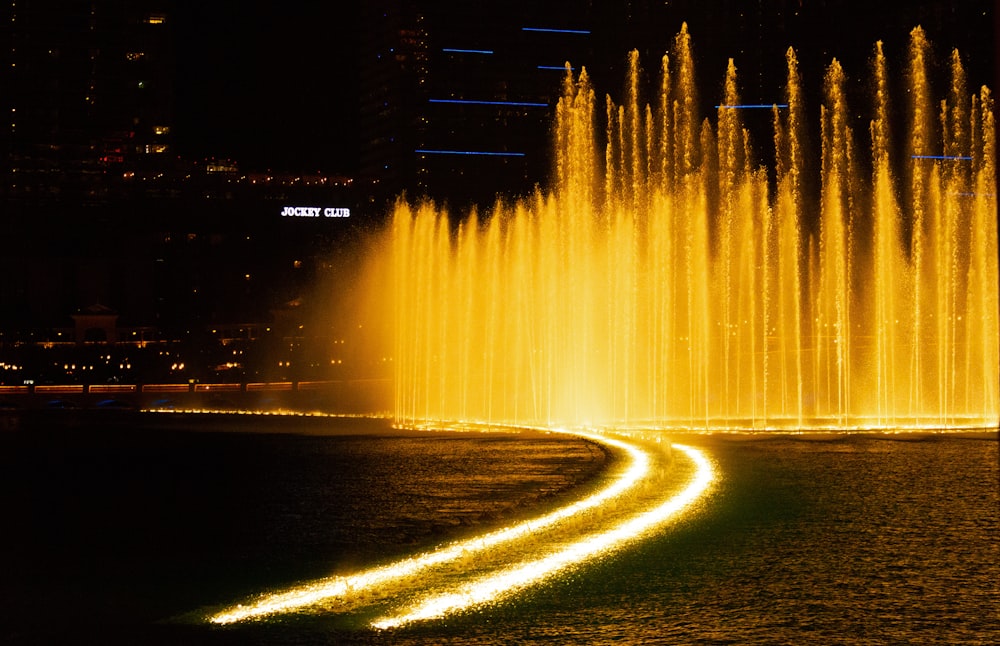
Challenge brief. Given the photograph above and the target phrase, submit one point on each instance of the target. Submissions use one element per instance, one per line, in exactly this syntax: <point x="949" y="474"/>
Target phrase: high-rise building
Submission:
<point x="86" y="92"/>
<point x="457" y="99"/>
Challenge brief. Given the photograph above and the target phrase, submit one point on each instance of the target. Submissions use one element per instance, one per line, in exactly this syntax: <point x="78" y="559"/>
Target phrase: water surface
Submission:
<point x="120" y="531"/>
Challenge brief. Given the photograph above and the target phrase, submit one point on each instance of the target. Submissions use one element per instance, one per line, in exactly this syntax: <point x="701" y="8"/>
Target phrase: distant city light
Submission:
<point x="453" y="50"/>
<point x="557" y="31"/>
<point x="424" y="151"/>
<point x="530" y="104"/>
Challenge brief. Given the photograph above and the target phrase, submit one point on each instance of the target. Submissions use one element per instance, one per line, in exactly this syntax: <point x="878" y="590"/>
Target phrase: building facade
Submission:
<point x="87" y="90"/>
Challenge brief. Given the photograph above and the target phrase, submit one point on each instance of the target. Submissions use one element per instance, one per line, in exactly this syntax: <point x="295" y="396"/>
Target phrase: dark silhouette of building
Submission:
<point x="100" y="205"/>
<point x="87" y="91"/>
<point x="457" y="98"/>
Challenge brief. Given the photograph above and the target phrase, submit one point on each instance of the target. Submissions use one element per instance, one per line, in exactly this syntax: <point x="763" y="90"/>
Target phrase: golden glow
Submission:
<point x="492" y="587"/>
<point x="666" y="277"/>
<point x="668" y="280"/>
<point x="312" y="593"/>
<point x="343" y="592"/>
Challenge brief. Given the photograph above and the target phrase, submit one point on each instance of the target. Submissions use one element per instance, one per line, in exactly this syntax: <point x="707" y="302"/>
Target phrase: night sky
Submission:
<point x="270" y="84"/>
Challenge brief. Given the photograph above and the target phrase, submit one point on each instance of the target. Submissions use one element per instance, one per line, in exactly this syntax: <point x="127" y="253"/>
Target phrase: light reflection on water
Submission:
<point x="649" y="513"/>
<point x="860" y="539"/>
<point x="383" y="581"/>
<point x="847" y="539"/>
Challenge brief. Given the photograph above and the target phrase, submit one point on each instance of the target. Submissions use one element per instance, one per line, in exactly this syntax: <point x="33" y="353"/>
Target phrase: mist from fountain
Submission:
<point x="666" y="278"/>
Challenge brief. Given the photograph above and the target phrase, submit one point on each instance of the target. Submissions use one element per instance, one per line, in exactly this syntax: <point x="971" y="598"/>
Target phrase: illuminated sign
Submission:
<point x="315" y="212"/>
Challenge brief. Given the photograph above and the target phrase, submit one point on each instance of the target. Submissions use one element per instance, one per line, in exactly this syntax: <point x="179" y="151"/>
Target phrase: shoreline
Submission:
<point x="334" y="424"/>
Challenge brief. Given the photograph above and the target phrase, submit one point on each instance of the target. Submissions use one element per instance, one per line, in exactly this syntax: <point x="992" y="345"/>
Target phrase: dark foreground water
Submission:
<point x="121" y="530"/>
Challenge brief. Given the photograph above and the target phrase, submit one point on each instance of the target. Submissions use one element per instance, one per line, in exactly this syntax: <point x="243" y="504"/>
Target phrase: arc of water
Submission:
<point x="330" y="588"/>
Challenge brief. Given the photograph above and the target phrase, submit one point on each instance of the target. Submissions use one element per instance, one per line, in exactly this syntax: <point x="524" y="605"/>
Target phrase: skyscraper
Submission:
<point x="457" y="101"/>
<point x="87" y="94"/>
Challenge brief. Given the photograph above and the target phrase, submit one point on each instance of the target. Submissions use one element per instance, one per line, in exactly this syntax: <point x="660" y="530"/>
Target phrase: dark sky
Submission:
<point x="270" y="84"/>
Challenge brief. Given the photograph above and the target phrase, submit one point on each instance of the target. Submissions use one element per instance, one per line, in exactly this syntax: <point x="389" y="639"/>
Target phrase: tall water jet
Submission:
<point x="668" y="278"/>
<point x="788" y="207"/>
<point x="888" y="271"/>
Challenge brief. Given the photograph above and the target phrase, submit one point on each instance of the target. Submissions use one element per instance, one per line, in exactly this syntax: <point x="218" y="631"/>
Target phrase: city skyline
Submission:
<point x="278" y="87"/>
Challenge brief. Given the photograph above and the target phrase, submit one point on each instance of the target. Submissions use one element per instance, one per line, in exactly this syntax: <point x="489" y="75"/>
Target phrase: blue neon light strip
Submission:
<point x="945" y="157"/>
<point x="424" y="151"/>
<point x="511" y="103"/>
<point x="555" y="67"/>
<point x="557" y="31"/>
<point x="753" y="106"/>
<point x="467" y="51"/>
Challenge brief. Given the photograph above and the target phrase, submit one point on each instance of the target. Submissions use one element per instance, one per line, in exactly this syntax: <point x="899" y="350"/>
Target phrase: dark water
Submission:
<point x="115" y="533"/>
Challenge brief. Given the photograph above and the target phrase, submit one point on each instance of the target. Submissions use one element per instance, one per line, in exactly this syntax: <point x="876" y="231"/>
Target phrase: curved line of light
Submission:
<point x="316" y="592"/>
<point x="492" y="587"/>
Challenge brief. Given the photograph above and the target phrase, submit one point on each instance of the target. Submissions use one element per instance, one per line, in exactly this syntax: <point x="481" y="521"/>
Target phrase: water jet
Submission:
<point x="666" y="278"/>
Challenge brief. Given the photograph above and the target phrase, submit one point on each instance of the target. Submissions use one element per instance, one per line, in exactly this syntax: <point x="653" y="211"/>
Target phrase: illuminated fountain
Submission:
<point x="667" y="279"/>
